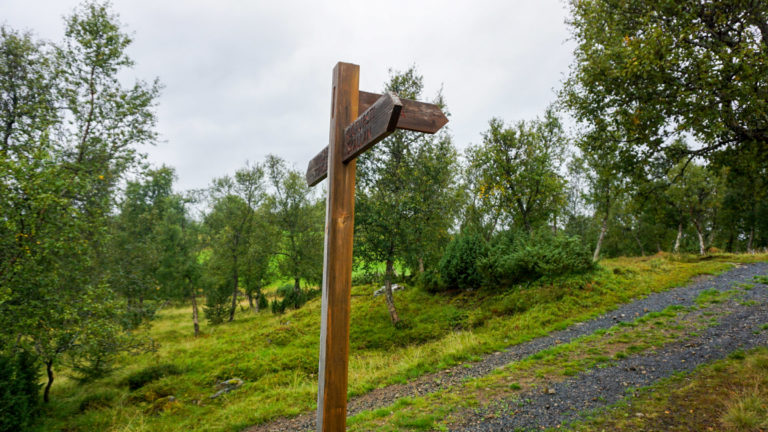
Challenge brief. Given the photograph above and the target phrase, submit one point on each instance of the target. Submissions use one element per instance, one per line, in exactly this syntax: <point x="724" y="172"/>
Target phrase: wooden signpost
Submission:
<point x="350" y="136"/>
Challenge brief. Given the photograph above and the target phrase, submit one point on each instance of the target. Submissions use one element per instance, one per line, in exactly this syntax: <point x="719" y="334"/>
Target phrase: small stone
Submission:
<point x="551" y="391"/>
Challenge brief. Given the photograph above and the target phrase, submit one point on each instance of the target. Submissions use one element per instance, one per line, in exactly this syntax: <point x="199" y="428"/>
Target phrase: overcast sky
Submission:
<point x="247" y="78"/>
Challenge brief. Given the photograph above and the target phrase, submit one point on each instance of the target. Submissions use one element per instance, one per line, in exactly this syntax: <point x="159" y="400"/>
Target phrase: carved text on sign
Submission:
<point x="359" y="132"/>
<point x="372" y="126"/>
<point x="414" y="116"/>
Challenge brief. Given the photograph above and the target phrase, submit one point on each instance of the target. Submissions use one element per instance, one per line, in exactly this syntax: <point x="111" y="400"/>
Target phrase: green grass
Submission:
<point x="276" y="355"/>
<point x="448" y="408"/>
<point x="727" y="395"/>
<point x="537" y="371"/>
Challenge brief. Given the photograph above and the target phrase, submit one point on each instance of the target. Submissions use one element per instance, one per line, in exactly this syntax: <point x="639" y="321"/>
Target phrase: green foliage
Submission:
<point x="297" y="216"/>
<point x="67" y="145"/>
<point x="230" y="227"/>
<point x="661" y="68"/>
<point x="19" y="391"/>
<point x="145" y="376"/>
<point x="284" y="290"/>
<point x="407" y="195"/>
<point x="217" y="298"/>
<point x="292" y="298"/>
<point x="136" y="247"/>
<point x="277" y="306"/>
<point x="262" y="302"/>
<point x="516" y="258"/>
<point x="97" y="356"/>
<point x="459" y="265"/>
<point x="431" y="281"/>
<point x="514" y="172"/>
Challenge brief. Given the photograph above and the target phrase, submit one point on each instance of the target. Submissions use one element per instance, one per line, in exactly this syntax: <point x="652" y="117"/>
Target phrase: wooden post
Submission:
<point x="337" y="258"/>
<point x="350" y="136"/>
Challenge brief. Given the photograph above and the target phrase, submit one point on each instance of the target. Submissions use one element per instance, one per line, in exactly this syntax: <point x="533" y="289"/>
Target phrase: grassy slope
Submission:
<point x="276" y="356"/>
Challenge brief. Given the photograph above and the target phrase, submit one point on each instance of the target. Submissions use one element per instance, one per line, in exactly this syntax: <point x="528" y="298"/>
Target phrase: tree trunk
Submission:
<point x="296" y="285"/>
<point x="702" y="248"/>
<point x="421" y="265"/>
<point x="639" y="243"/>
<point x="250" y="299"/>
<point x="751" y="239"/>
<point x="234" y="295"/>
<point x="676" y="249"/>
<point x="554" y="224"/>
<point x="388" y="293"/>
<point x="731" y="238"/>
<point x="195" y="320"/>
<point x="603" y="229"/>
<point x="49" y="371"/>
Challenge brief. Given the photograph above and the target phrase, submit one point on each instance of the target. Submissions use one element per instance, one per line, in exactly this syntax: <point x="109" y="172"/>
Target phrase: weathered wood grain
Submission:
<point x="318" y="168"/>
<point x="337" y="257"/>
<point x="414" y="116"/>
<point x="372" y="126"/>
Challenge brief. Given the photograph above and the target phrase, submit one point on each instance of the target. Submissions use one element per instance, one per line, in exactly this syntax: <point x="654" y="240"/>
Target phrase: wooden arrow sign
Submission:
<point x="375" y="124"/>
<point x="413" y="116"/>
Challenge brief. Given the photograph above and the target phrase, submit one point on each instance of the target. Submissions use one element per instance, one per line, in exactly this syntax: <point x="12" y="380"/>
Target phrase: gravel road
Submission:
<point x="594" y="388"/>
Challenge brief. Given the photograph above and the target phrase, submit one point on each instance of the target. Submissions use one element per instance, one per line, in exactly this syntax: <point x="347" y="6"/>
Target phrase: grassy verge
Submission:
<point x="276" y="355"/>
<point x="728" y="395"/>
<point x="498" y="392"/>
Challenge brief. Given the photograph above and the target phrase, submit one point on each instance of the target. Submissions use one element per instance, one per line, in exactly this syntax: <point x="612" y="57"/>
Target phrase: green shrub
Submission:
<point x="430" y="281"/>
<point x="292" y="298"/>
<point x="284" y="290"/>
<point x="516" y="258"/>
<point x="19" y="391"/>
<point x="277" y="306"/>
<point x="263" y="302"/>
<point x="459" y="265"/>
<point x="218" y="298"/>
<point x="145" y="376"/>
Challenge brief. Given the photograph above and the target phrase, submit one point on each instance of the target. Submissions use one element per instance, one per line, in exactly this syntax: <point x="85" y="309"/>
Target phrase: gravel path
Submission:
<point x="560" y="406"/>
<point x="566" y="401"/>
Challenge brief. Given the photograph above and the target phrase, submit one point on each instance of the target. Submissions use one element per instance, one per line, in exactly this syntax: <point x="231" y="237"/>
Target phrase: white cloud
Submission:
<point x="244" y="79"/>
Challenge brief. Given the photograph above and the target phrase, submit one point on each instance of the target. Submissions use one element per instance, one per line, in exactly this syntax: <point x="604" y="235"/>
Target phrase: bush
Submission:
<point x="277" y="306"/>
<point x="145" y="376"/>
<point x="284" y="290"/>
<point x="262" y="302"/>
<point x="459" y="265"/>
<point x="292" y="298"/>
<point x="19" y="391"/>
<point x="430" y="281"/>
<point x="218" y="298"/>
<point x="521" y="258"/>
